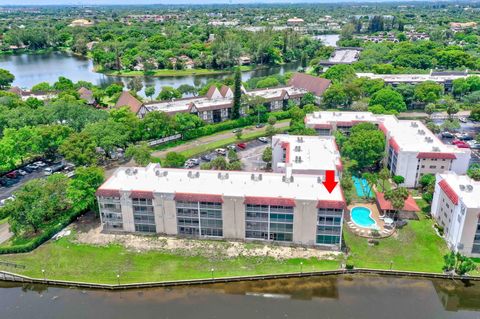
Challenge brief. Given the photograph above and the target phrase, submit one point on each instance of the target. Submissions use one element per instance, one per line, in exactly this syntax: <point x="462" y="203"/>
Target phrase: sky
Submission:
<point x="140" y="2"/>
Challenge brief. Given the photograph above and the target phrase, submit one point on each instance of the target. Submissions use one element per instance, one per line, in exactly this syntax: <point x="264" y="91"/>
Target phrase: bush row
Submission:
<point x="46" y="235"/>
<point x="231" y="124"/>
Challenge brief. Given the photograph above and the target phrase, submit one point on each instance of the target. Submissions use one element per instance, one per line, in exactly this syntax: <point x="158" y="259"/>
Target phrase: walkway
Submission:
<point x="5" y="233"/>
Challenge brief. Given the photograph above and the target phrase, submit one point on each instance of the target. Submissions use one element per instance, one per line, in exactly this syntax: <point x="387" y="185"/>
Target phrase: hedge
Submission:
<point x="37" y="241"/>
<point x="231" y="124"/>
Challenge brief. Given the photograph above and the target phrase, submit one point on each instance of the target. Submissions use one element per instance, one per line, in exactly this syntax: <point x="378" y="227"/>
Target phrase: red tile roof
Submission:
<point x="410" y="204"/>
<point x="190" y="197"/>
<point x="331" y="204"/>
<point x="436" y="155"/>
<point x="141" y="194"/>
<point x="448" y="190"/>
<point x="224" y="90"/>
<point x="394" y="144"/>
<point x="211" y="91"/>
<point x="310" y="83"/>
<point x="102" y="192"/>
<point x="275" y="201"/>
<point x="127" y="99"/>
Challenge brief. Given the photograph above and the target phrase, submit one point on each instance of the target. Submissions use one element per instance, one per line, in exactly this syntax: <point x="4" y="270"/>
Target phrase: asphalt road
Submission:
<point x="7" y="191"/>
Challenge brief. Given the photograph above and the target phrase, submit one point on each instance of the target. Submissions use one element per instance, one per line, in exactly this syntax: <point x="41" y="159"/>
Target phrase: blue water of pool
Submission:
<point x="361" y="216"/>
<point x="361" y="187"/>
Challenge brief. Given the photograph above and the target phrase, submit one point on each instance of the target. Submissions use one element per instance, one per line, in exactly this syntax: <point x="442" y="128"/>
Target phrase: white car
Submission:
<point x="40" y="164"/>
<point x="22" y="172"/>
<point x="263" y="139"/>
<point x="221" y="151"/>
<point x="4" y="201"/>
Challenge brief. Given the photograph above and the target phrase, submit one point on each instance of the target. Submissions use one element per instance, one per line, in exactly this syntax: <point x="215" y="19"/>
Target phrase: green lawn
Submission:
<point x="3" y="221"/>
<point x="166" y="72"/>
<point x="416" y="247"/>
<point x="68" y="261"/>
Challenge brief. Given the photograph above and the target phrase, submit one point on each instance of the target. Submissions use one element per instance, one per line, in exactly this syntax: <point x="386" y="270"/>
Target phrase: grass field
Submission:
<point x="416" y="247"/>
<point x="184" y="72"/>
<point x="68" y="261"/>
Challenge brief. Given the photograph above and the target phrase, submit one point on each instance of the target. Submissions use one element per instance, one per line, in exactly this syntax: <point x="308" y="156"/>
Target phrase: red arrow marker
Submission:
<point x="329" y="182"/>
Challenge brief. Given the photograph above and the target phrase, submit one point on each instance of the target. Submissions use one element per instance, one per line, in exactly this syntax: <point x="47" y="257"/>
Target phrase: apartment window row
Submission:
<point x="199" y="219"/>
<point x="329" y="226"/>
<point x="143" y="215"/>
<point x="269" y="222"/>
<point x="476" y="239"/>
<point x="392" y="160"/>
<point x="111" y="213"/>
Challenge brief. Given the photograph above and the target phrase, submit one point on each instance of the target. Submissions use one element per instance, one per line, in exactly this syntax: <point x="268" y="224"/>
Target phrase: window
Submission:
<point x="267" y="222"/>
<point x="143" y="215"/>
<point x="329" y="226"/>
<point x="199" y="219"/>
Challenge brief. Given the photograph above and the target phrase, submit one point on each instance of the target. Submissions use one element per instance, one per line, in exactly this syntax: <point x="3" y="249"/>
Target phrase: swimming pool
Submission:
<point x="361" y="187"/>
<point x="361" y="216"/>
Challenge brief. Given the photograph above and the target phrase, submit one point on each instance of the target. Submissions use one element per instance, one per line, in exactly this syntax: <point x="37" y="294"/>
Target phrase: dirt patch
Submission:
<point x="87" y="233"/>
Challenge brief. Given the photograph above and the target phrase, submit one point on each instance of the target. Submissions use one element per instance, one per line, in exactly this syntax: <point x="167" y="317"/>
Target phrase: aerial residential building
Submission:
<point x="305" y="154"/>
<point x="441" y="77"/>
<point x="412" y="149"/>
<point x="460" y="26"/>
<point x="295" y="21"/>
<point x="343" y="56"/>
<point x="81" y="23"/>
<point x="39" y="95"/>
<point x="456" y="208"/>
<point x="86" y="95"/>
<point x="284" y="208"/>
<point x="216" y="105"/>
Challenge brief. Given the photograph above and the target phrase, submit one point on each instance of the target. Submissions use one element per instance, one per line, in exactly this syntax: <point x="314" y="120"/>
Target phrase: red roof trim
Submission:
<point x="322" y="126"/>
<point x="331" y="204"/>
<point x="339" y="167"/>
<point x="274" y="201"/>
<point x="448" y="190"/>
<point x="286" y="147"/>
<point x="345" y="123"/>
<point x="436" y="155"/>
<point x="394" y="144"/>
<point x="102" y="192"/>
<point x="141" y="194"/>
<point x="409" y="206"/>
<point x="190" y="197"/>
<point x="382" y="128"/>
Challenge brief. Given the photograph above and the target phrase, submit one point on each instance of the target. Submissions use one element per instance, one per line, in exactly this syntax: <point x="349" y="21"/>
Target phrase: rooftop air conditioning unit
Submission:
<point x="462" y="187"/>
<point x="421" y="132"/>
<point x="469" y="188"/>
<point x="414" y="124"/>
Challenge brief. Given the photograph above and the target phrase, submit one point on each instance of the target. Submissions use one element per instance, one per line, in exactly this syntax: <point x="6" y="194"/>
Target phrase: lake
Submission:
<point x="31" y="69"/>
<point x="353" y="296"/>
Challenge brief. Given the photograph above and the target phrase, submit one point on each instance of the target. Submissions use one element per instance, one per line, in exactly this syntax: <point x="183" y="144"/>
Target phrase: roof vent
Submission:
<point x="300" y="139"/>
<point x="319" y="179"/>
<point x="135" y="171"/>
<point x="421" y="132"/>
<point x="469" y="188"/>
<point x="160" y="173"/>
<point x="223" y="176"/>
<point x="414" y="124"/>
<point x="462" y="187"/>
<point x="436" y="149"/>
<point x="128" y="171"/>
<point x="298" y="148"/>
<point x="428" y="139"/>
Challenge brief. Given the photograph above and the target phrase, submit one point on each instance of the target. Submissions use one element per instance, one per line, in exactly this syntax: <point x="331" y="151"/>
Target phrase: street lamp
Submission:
<point x="212" y="270"/>
<point x="43" y="273"/>
<point x="391" y="264"/>
<point x="301" y="267"/>
<point x="118" y="279"/>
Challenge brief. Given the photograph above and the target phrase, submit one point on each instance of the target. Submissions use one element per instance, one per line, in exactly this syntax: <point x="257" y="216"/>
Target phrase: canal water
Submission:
<point x="355" y="296"/>
<point x="31" y="69"/>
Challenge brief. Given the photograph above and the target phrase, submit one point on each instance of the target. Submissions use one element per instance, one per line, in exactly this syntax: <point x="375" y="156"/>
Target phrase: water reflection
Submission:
<point x="33" y="69"/>
<point x="355" y="296"/>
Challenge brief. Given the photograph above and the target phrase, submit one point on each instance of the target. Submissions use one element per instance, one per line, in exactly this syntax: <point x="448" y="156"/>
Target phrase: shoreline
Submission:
<point x="13" y="277"/>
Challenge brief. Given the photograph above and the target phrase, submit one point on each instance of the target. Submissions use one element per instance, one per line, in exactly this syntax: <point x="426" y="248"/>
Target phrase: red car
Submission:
<point x="242" y="145"/>
<point x="461" y="144"/>
<point x="11" y="174"/>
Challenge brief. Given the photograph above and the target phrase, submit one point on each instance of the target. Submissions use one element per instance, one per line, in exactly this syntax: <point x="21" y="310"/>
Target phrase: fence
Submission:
<point x="12" y="277"/>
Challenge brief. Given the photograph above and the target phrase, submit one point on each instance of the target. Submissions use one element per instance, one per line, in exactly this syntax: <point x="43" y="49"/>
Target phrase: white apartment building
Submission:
<point x="412" y="149"/>
<point x="305" y="154"/>
<point x="456" y="208"/>
<point x="284" y="208"/>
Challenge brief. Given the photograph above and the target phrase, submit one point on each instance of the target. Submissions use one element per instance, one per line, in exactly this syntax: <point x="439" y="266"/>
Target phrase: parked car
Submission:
<point x="259" y="125"/>
<point x="3" y="202"/>
<point x="447" y="135"/>
<point x="40" y="164"/>
<point x="463" y="119"/>
<point x="242" y="146"/>
<point x="221" y="151"/>
<point x="237" y="130"/>
<point x="33" y="166"/>
<point x="7" y="182"/>
<point x="12" y="174"/>
<point x="188" y="164"/>
<point x="232" y="147"/>
<point x="461" y="144"/>
<point x="263" y="139"/>
<point x="54" y="168"/>
<point x="22" y="172"/>
<point x="207" y="157"/>
<point x="194" y="161"/>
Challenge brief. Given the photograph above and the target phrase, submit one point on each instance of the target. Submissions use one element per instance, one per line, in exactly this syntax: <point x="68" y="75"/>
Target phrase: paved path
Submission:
<point x="212" y="138"/>
<point x="5" y="233"/>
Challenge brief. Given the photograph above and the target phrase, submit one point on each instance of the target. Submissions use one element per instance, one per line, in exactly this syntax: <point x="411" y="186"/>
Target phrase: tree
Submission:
<point x="430" y="108"/>
<point x="366" y="145"/>
<point x="383" y="177"/>
<point x="335" y="97"/>
<point x="150" y="91"/>
<point x="140" y="153"/>
<point x="397" y="179"/>
<point x="79" y="148"/>
<point x="272" y="119"/>
<point x="428" y="91"/>
<point x="168" y="93"/>
<point x="267" y="156"/>
<point x="6" y="78"/>
<point x="113" y="89"/>
<point x="397" y="197"/>
<point x="42" y="87"/>
<point x="63" y="84"/>
<point x="388" y="99"/>
<point x="174" y="159"/>
<point x="232" y="156"/>
<point x="474" y="172"/>
<point x="340" y="73"/>
<point x="270" y="130"/>
<point x="308" y="98"/>
<point x="187" y="89"/>
<point x="83" y="186"/>
<point x="237" y="94"/>
<point x="135" y="84"/>
<point x="458" y="263"/>
<point x="238" y="133"/>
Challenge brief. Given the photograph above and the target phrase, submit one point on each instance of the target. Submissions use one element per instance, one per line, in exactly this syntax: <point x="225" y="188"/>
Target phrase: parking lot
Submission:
<point x="250" y="156"/>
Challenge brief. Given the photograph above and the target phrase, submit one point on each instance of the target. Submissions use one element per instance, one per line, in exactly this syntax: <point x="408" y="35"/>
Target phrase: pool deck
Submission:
<point x="366" y="232"/>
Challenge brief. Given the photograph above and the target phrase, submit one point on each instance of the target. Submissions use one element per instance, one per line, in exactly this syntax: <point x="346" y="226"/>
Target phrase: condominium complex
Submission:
<point x="456" y="208"/>
<point x="216" y="105"/>
<point x="412" y="149"/>
<point x="305" y="154"/>
<point x="284" y="208"/>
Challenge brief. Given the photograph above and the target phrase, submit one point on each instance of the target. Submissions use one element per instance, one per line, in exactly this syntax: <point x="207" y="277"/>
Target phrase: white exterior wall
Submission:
<point x="460" y="165"/>
<point x="407" y="167"/>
